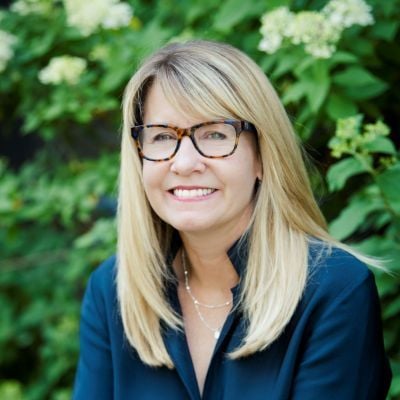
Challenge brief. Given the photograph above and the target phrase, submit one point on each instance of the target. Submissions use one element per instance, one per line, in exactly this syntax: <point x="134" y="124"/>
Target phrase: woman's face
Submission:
<point x="193" y="193"/>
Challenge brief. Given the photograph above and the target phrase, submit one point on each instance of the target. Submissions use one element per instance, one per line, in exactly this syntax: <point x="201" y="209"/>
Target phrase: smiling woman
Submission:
<point x="226" y="281"/>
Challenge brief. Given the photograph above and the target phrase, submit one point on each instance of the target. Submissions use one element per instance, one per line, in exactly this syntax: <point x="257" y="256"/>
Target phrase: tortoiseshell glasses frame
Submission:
<point x="240" y="126"/>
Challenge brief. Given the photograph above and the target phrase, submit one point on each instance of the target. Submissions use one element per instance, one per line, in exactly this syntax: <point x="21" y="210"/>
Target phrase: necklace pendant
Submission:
<point x="216" y="334"/>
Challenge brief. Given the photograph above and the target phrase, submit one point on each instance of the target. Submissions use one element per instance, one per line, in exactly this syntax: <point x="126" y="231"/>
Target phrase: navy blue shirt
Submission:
<point x="332" y="348"/>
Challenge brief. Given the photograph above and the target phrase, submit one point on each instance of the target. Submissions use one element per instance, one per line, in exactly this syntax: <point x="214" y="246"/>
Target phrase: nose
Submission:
<point x="187" y="159"/>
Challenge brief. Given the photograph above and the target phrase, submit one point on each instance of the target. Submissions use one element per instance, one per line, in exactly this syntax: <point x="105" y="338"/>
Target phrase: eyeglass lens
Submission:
<point x="213" y="140"/>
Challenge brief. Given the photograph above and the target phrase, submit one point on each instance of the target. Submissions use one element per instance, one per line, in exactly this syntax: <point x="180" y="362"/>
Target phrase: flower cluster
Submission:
<point x="7" y="41"/>
<point x="63" y="69"/>
<point x="88" y="16"/>
<point x="319" y="32"/>
<point x="350" y="138"/>
<point x="25" y="7"/>
<point x="347" y="13"/>
<point x="273" y="28"/>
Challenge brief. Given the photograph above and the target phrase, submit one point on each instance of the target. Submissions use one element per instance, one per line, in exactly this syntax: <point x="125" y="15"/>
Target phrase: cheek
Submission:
<point x="152" y="180"/>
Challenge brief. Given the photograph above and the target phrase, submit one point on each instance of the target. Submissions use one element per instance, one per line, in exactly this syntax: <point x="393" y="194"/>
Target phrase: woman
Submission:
<point x="226" y="284"/>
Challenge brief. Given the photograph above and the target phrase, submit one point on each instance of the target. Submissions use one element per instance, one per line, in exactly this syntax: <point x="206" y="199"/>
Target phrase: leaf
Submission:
<point x="367" y="91"/>
<point x="342" y="57"/>
<point x="355" y="76"/>
<point x="385" y="29"/>
<point x="389" y="184"/>
<point x="340" y="172"/>
<point x="285" y="64"/>
<point x="339" y="106"/>
<point x="318" y="86"/>
<point x="234" y="11"/>
<point x="353" y="216"/>
<point x="381" y="145"/>
<point x="392" y="309"/>
<point x="294" y="93"/>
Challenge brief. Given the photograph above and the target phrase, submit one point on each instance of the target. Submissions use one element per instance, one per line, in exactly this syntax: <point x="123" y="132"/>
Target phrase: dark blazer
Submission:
<point x="332" y="349"/>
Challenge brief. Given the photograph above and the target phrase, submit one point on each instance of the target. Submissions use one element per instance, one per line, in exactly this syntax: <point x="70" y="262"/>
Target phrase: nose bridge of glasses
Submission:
<point x="182" y="132"/>
<point x="189" y="132"/>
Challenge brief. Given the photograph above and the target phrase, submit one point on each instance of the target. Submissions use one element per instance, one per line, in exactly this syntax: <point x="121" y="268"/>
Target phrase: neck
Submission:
<point x="210" y="266"/>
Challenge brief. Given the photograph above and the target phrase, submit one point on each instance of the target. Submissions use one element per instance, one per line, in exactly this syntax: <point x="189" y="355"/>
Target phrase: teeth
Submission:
<point x="192" y="192"/>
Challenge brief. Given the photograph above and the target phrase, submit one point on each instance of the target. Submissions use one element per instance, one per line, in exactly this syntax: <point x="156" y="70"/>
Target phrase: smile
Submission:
<point x="191" y="193"/>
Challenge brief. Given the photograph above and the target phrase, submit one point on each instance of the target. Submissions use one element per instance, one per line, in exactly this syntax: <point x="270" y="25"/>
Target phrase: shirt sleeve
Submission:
<point x="94" y="377"/>
<point x="343" y="355"/>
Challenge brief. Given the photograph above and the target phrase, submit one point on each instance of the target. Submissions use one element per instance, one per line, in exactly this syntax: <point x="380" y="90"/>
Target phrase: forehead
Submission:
<point x="160" y="108"/>
<point x="168" y="100"/>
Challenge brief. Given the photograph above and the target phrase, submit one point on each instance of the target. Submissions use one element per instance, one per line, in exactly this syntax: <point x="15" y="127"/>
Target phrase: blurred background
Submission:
<point x="63" y="67"/>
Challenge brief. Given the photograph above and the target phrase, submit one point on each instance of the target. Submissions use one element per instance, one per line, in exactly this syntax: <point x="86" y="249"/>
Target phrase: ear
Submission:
<point x="259" y="168"/>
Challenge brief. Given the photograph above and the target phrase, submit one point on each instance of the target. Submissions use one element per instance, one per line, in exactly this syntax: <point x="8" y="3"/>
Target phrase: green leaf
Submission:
<point x="392" y="309"/>
<point x="342" y="57"/>
<point x="234" y="11"/>
<point x="367" y="91"/>
<point x="339" y="106"/>
<point x="385" y="29"/>
<point x="354" y="215"/>
<point x="294" y="93"/>
<point x="389" y="183"/>
<point x="355" y="76"/>
<point x="272" y="4"/>
<point x="285" y="64"/>
<point x="318" y="86"/>
<point x="381" y="145"/>
<point x="340" y="172"/>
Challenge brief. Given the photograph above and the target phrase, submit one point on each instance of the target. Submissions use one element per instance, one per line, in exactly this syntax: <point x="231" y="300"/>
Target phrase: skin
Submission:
<point x="208" y="225"/>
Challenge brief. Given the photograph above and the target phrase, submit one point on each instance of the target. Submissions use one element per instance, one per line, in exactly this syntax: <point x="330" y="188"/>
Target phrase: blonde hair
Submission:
<point x="206" y="79"/>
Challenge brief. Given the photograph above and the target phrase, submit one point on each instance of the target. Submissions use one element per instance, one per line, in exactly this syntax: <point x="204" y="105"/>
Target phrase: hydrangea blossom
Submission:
<point x="7" y="41"/>
<point x="87" y="16"/>
<point x="118" y="15"/>
<point x="317" y="31"/>
<point x="274" y="28"/>
<point x="63" y="69"/>
<point x="345" y="13"/>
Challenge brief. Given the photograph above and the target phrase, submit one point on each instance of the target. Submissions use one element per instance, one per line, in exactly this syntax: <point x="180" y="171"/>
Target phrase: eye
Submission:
<point x="214" y="135"/>
<point x="163" y="137"/>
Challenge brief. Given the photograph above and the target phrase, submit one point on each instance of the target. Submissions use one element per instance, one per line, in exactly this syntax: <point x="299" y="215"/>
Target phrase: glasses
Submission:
<point x="213" y="139"/>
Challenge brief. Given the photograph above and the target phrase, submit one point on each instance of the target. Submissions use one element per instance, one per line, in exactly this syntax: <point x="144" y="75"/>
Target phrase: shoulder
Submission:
<point x="101" y="287"/>
<point x="105" y="273"/>
<point x="335" y="272"/>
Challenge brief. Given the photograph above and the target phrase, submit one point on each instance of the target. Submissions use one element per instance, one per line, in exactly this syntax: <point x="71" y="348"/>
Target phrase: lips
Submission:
<point x="192" y="193"/>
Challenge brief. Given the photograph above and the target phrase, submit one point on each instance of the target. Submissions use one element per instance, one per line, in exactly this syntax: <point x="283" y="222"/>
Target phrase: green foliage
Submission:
<point x="54" y="232"/>
<point x="57" y="209"/>
<point x="373" y="210"/>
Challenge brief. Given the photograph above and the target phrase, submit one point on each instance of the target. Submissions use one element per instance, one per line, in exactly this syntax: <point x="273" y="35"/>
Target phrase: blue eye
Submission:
<point x="214" y="135"/>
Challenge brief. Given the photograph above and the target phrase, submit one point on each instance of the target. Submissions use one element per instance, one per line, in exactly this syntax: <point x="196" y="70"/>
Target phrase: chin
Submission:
<point x="191" y="226"/>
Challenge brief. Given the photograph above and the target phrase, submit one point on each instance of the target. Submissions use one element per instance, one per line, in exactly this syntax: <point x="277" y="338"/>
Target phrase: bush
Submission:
<point x="60" y="90"/>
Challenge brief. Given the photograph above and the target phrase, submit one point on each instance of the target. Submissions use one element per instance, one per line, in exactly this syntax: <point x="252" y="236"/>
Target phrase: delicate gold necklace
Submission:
<point x="197" y="304"/>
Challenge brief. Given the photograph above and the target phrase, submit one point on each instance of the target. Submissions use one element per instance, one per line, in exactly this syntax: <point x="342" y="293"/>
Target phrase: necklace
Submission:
<point x="197" y="304"/>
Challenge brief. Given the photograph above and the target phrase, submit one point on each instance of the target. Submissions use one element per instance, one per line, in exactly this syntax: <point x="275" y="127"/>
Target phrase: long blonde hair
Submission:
<point x="207" y="79"/>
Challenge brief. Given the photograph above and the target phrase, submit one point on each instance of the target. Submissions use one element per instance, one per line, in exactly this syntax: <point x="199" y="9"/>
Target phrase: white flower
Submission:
<point x="345" y="13"/>
<point x="271" y="43"/>
<point x="320" y="50"/>
<point x="118" y="15"/>
<point x="7" y="41"/>
<point x="88" y="16"/>
<point x="274" y="28"/>
<point x="63" y="69"/>
<point x="318" y="32"/>
<point x="25" y="7"/>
